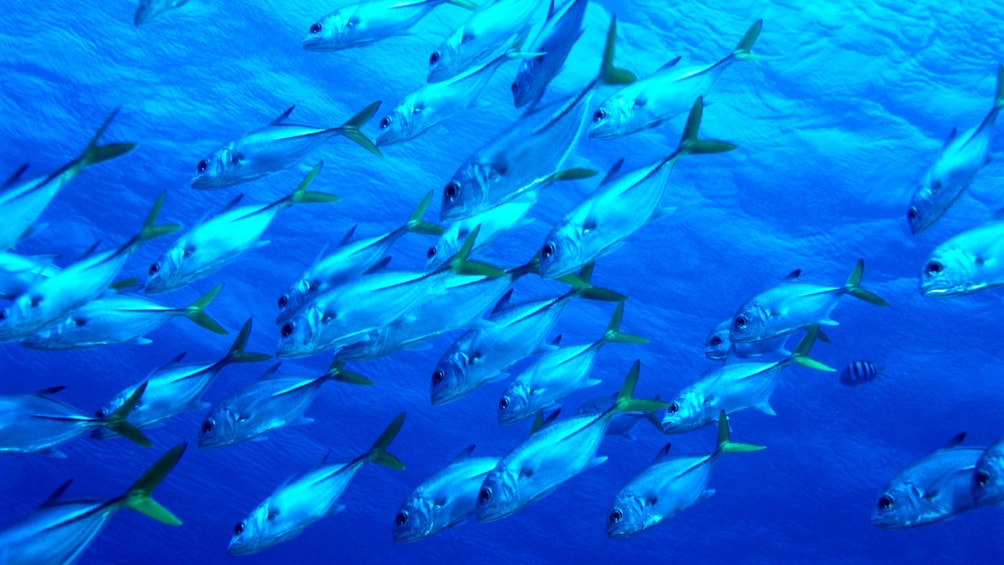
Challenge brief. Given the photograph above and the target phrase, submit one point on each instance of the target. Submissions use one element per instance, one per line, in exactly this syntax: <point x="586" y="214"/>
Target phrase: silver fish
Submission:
<point x="968" y="262"/>
<point x="718" y="346"/>
<point x="301" y="502"/>
<point x="365" y="23"/>
<point x="554" y="42"/>
<point x="150" y="9"/>
<point x="273" y="148"/>
<point x="961" y="158"/>
<point x="988" y="479"/>
<point x="444" y="500"/>
<point x="60" y="530"/>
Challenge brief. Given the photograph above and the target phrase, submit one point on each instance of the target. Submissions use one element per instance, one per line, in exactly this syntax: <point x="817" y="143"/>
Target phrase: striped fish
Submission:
<point x="858" y="372"/>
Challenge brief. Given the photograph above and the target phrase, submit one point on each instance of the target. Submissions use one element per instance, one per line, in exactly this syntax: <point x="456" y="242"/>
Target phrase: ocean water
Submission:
<point x="834" y="127"/>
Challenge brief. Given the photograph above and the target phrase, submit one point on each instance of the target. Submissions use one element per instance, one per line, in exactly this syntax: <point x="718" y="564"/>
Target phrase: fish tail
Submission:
<point x="337" y="372"/>
<point x="613" y="333"/>
<point x="350" y="129"/>
<point x="378" y="453"/>
<point x="689" y="144"/>
<point x="460" y="265"/>
<point x="725" y="445"/>
<point x="138" y="496"/>
<point x="580" y="286"/>
<point x="117" y="423"/>
<point x="236" y="354"/>
<point x="609" y="74"/>
<point x="95" y="153"/>
<point x="462" y="4"/>
<point x="196" y="311"/>
<point x="150" y="228"/>
<point x="801" y="353"/>
<point x="625" y="401"/>
<point x="415" y="223"/>
<point x="853" y="286"/>
<point x="302" y="196"/>
<point x="744" y="49"/>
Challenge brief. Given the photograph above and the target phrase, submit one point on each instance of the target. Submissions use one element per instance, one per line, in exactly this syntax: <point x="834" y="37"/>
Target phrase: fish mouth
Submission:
<point x="202" y="182"/>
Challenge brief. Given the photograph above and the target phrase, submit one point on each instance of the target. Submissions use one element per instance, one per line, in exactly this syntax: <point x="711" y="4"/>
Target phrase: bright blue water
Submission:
<point x="832" y="133"/>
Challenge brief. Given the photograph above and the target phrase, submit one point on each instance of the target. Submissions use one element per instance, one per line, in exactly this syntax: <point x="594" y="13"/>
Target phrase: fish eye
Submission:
<point x="239" y="528"/>
<point x="101" y="413"/>
<point x="740" y="322"/>
<point x="287" y="330"/>
<point x="431" y="252"/>
<point x="885" y="502"/>
<point x="401" y="518"/>
<point x="981" y="479"/>
<point x="615" y="516"/>
<point x="911" y="214"/>
<point x="715" y="341"/>
<point x="207" y="427"/>
<point x="202" y="166"/>
<point x="438" y="376"/>
<point x="514" y="87"/>
<point x="3" y="313"/>
<point x="434" y="58"/>
<point x="272" y="514"/>
<point x="673" y="408"/>
<point x="452" y="190"/>
<point x="315" y="29"/>
<point x="283" y="301"/>
<point x="352" y="22"/>
<point x="484" y="495"/>
<point x="154" y="268"/>
<point x="599" y="115"/>
<point x="936" y="185"/>
<point x="934" y="267"/>
<point x="504" y="403"/>
<point x="548" y="250"/>
<point x="385" y="123"/>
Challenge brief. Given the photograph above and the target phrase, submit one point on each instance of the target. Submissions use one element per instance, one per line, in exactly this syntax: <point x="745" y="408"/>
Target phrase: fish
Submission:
<point x="486" y="35"/>
<point x="120" y="318"/>
<point x="961" y="157"/>
<point x="300" y="502"/>
<point x="148" y="10"/>
<point x="791" y="305"/>
<point x="553" y="455"/>
<point x="603" y="221"/>
<point x="23" y="201"/>
<point x="966" y="263"/>
<point x="734" y="387"/>
<point x="558" y="374"/>
<point x="988" y="478"/>
<point x="276" y="147"/>
<point x="493" y="224"/>
<point x="435" y="103"/>
<point x="365" y="23"/>
<point x="554" y="42"/>
<point x="444" y="500"/>
<point x="718" y="346"/>
<point x="858" y="372"/>
<point x="517" y="331"/>
<point x="666" y="93"/>
<point x="17" y="272"/>
<point x="271" y="402"/>
<point x="176" y="387"/>
<point x="350" y="260"/>
<point x="936" y="488"/>
<point x="60" y="531"/>
<point x="49" y="300"/>
<point x="38" y="423"/>
<point x="529" y="155"/>
<point x="669" y="486"/>
<point x="216" y="241"/>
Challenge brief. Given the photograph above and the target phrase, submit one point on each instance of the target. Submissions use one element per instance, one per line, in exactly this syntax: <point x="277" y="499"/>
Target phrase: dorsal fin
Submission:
<point x="270" y="373"/>
<point x="230" y="205"/>
<point x="951" y="137"/>
<point x="663" y="453"/>
<point x="324" y="460"/>
<point x="15" y="176"/>
<point x="503" y="302"/>
<point x="613" y="172"/>
<point x="348" y="236"/>
<point x="89" y="251"/>
<point x="670" y="64"/>
<point x="541" y="421"/>
<point x="378" y="266"/>
<point x="56" y="494"/>
<point x="465" y="453"/>
<point x="550" y="10"/>
<point x="956" y="440"/>
<point x="282" y="117"/>
<point x="556" y="341"/>
<point x="793" y="275"/>
<point x="176" y="359"/>
<point x="48" y="391"/>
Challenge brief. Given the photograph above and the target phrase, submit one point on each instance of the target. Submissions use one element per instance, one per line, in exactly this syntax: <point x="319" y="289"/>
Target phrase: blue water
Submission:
<point x="833" y="129"/>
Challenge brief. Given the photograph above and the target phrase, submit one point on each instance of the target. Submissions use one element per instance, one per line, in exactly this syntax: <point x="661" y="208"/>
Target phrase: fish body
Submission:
<point x="18" y="272"/>
<point x="365" y="23"/>
<point x="961" y="157"/>
<point x="493" y="223"/>
<point x="936" y="488"/>
<point x="273" y="148"/>
<point x="988" y="478"/>
<point x="668" y="92"/>
<point x="150" y="9"/>
<point x="858" y="372"/>
<point x="446" y="499"/>
<point x="718" y="346"/>
<point x="968" y="262"/>
<point x="554" y="42"/>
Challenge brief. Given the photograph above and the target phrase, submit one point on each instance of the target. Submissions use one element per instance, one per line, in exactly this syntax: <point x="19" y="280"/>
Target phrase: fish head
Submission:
<point x="526" y="88"/>
<point x="951" y="269"/>
<point x="499" y="495"/>
<point x="924" y="210"/>
<point x="628" y="515"/>
<point x="290" y="301"/>
<point x="449" y="380"/>
<point x="301" y="335"/>
<point x="611" y="118"/>
<point x="110" y="407"/>
<point x="514" y="404"/>
<point x="415" y="519"/>
<point x="18" y="315"/>
<point x="717" y="344"/>
<point x="166" y="273"/>
<point x="55" y="336"/>
<point x="445" y="247"/>
<point x="465" y="194"/>
<point x="338" y="30"/>
<point x="750" y="324"/>
<point x="562" y="252"/>
<point x="682" y="413"/>
<point x="214" y="170"/>
<point x="220" y="428"/>
<point x="447" y="61"/>
<point x="399" y="124"/>
<point x="897" y="507"/>
<point x="259" y="531"/>
<point x="988" y="478"/>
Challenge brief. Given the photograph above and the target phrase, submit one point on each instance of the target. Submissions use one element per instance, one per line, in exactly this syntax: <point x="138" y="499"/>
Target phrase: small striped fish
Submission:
<point x="858" y="372"/>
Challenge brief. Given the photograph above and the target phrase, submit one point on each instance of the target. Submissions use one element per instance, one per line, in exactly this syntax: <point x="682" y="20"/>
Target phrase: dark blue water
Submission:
<point x="832" y="130"/>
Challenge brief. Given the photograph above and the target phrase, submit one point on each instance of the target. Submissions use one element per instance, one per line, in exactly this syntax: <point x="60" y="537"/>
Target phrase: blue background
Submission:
<point x="833" y="131"/>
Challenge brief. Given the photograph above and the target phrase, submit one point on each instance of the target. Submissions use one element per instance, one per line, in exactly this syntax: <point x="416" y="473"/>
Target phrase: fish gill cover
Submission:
<point x="836" y="124"/>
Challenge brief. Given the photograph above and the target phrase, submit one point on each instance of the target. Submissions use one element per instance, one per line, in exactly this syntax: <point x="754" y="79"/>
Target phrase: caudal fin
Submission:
<point x="625" y="401"/>
<point x="337" y="372"/>
<point x="613" y="333"/>
<point x="460" y="264"/>
<point x="150" y="228"/>
<point x="302" y="196"/>
<point x="725" y="445"/>
<point x="689" y="144"/>
<point x="138" y="496"/>
<point x="117" y="423"/>
<point x="237" y="353"/>
<point x="801" y="353"/>
<point x="350" y="129"/>
<point x="744" y="49"/>
<point x="609" y="74"/>
<point x="95" y="153"/>
<point x="580" y="286"/>
<point x="196" y="312"/>
<point x="853" y="286"/>
<point x="415" y="223"/>
<point x="378" y="453"/>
